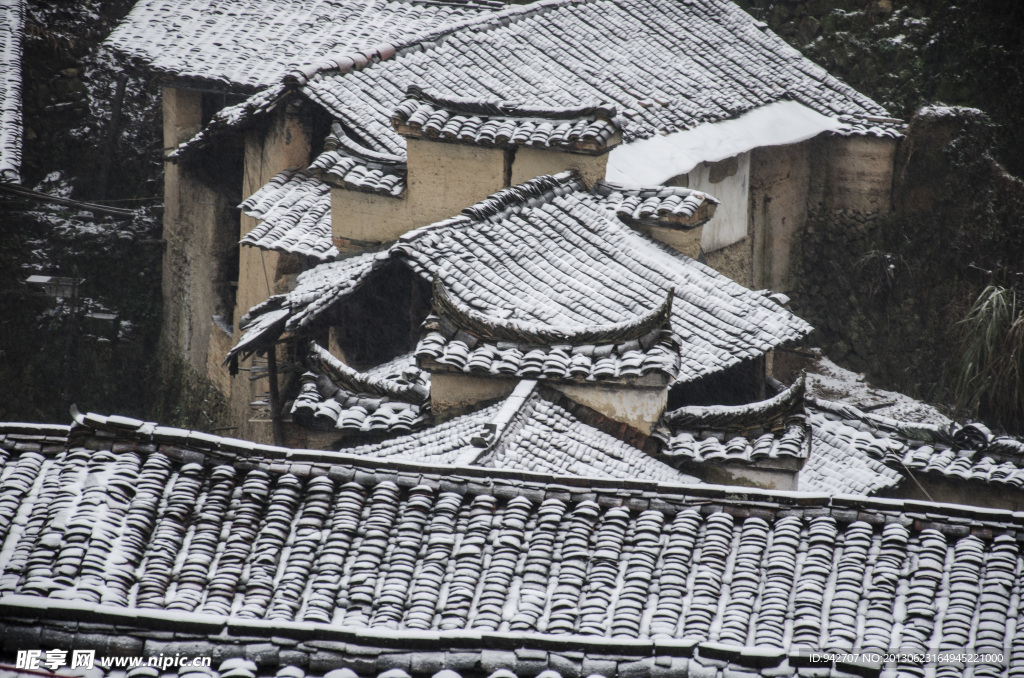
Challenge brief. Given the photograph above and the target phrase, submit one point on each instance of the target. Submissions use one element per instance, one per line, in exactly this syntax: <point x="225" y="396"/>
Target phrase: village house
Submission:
<point x="494" y="309"/>
<point x="686" y="119"/>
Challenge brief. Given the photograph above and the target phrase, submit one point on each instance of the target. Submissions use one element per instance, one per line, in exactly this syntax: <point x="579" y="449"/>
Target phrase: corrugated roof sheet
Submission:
<point x="243" y="45"/>
<point x="12" y="25"/>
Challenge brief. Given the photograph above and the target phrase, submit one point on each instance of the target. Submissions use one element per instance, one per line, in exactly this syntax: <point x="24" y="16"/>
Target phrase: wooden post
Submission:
<point x="275" y="398"/>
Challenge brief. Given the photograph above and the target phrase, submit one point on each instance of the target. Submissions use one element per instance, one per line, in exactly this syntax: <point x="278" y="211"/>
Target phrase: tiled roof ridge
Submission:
<point x="537" y="190"/>
<point x="605" y="188"/>
<point x="490" y="123"/>
<point x="497" y="108"/>
<point x="504" y="329"/>
<point x="786" y="404"/>
<point x="218" y="450"/>
<point x="512" y="411"/>
<point x="16" y="427"/>
<point x="320" y="360"/>
<point x="667" y="206"/>
<point x="339" y="140"/>
<point x="11" y="106"/>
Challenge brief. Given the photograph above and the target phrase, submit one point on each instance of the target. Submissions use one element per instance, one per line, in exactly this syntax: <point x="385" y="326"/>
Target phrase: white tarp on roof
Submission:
<point x="655" y="160"/>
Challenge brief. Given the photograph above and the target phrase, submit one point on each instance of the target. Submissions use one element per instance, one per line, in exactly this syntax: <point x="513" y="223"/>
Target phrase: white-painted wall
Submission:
<point x="729" y="224"/>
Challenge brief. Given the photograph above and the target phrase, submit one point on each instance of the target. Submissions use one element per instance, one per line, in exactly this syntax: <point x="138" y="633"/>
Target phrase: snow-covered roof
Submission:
<point x="664" y="65"/>
<point x="294" y="209"/>
<point x="531" y="430"/>
<point x="378" y="563"/>
<point x="392" y="398"/>
<point x="12" y="25"/>
<point x="316" y="291"/>
<point x="752" y="433"/>
<point x="962" y="453"/>
<point x="345" y="163"/>
<point x="548" y="263"/>
<point x="665" y="206"/>
<point x="242" y="45"/>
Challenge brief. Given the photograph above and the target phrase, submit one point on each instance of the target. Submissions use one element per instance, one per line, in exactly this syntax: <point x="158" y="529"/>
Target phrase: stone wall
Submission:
<point x="886" y="290"/>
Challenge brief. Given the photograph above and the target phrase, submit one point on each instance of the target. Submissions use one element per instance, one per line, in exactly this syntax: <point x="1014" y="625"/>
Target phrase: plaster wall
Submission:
<point x="443" y="178"/>
<point x="734" y="262"/>
<point x="752" y="476"/>
<point x="198" y="232"/>
<point x="455" y="394"/>
<point x="284" y="144"/>
<point x="684" y="241"/>
<point x="534" y="162"/>
<point x="638" y="407"/>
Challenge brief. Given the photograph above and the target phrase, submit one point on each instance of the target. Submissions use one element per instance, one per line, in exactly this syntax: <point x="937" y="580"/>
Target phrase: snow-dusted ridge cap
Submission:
<point x="787" y="403"/>
<point x="480" y="107"/>
<point x="12" y="25"/>
<point x="490" y="328"/>
<point x="578" y="129"/>
<point x="320" y="360"/>
<point x="668" y="206"/>
<point x="214" y="449"/>
<point x="338" y="140"/>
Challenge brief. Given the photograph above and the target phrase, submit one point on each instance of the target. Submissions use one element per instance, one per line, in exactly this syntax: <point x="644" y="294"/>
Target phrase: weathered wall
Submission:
<point x="361" y="219"/>
<point x="780" y="190"/>
<point x="636" y="406"/>
<point x="781" y="474"/>
<point x="686" y="241"/>
<point x="886" y="291"/>
<point x="728" y="181"/>
<point x="455" y="394"/>
<point x="859" y="173"/>
<point x="197" y="219"/>
<point x="443" y="178"/>
<point x="533" y="162"/>
<point x="734" y="262"/>
<point x="828" y="173"/>
<point x="284" y="144"/>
